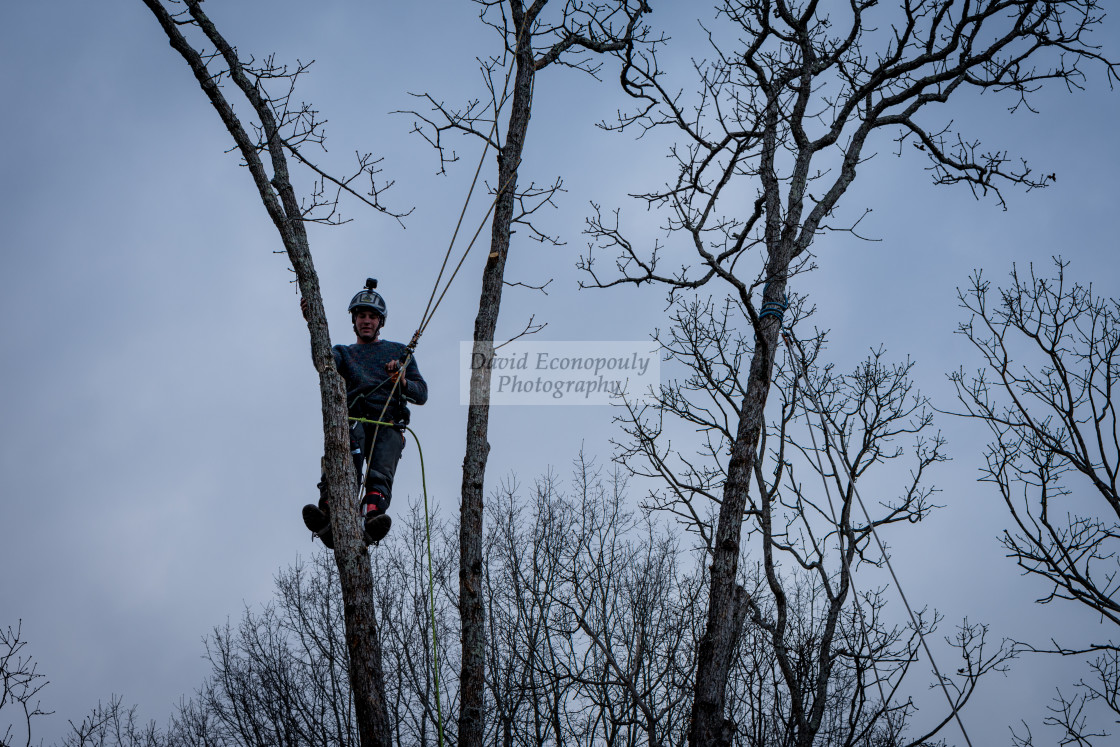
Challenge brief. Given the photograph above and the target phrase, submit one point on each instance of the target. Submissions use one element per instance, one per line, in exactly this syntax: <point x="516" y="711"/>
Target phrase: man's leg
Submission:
<point x="318" y="518"/>
<point x="357" y="446"/>
<point x="384" y="454"/>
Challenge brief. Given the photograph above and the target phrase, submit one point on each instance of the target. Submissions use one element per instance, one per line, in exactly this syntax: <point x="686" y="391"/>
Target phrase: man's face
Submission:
<point x="367" y="324"/>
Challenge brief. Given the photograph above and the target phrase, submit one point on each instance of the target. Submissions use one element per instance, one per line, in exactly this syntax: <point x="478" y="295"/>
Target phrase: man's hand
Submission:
<point x="396" y="373"/>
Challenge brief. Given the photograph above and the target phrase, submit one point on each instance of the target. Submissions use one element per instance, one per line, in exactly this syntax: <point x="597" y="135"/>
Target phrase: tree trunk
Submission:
<point x="726" y="606"/>
<point x="282" y="204"/>
<point x="472" y="723"/>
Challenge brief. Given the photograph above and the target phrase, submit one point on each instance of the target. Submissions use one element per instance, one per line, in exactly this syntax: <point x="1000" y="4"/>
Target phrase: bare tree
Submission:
<point x="279" y="130"/>
<point x="814" y="660"/>
<point x="419" y="623"/>
<point x="1047" y="393"/>
<point x="20" y="683"/>
<point x="532" y="39"/>
<point x="793" y="100"/>
<point x="279" y="675"/>
<point x="112" y="724"/>
<point x="521" y="679"/>
<point x="594" y="613"/>
<point x="588" y="614"/>
<point x="630" y="614"/>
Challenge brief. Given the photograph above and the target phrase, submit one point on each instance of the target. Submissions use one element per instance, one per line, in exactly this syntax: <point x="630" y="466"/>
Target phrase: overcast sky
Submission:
<point x="159" y="414"/>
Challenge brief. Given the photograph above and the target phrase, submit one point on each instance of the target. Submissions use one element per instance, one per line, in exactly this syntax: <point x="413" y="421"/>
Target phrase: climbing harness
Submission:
<point x="792" y="343"/>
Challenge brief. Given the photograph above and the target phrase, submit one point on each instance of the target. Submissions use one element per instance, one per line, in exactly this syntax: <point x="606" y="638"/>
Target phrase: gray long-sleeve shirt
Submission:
<point x="367" y="380"/>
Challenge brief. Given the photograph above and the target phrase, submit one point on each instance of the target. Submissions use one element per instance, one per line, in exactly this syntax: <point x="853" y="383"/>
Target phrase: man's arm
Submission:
<point x="412" y="384"/>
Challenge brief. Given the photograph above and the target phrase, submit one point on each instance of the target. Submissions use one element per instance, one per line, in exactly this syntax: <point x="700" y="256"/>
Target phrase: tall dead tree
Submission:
<point x="531" y="41"/>
<point x="277" y="132"/>
<point x="815" y="659"/>
<point x="796" y="96"/>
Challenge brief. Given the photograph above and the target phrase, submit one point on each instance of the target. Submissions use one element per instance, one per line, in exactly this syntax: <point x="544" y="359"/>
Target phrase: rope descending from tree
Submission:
<point x="786" y="334"/>
<point x="431" y="573"/>
<point x="410" y="349"/>
<point x="793" y="343"/>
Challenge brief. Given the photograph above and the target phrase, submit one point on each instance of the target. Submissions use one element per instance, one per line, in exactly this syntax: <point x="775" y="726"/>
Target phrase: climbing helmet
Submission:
<point x="368" y="298"/>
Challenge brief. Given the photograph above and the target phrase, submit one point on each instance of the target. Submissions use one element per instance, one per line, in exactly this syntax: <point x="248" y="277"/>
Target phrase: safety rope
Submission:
<point x="400" y="376"/>
<point x="430" y="309"/>
<point x="804" y="373"/>
<point x="433" y="301"/>
<point x="458" y="225"/>
<point x="410" y="349"/>
<point x="431" y="573"/>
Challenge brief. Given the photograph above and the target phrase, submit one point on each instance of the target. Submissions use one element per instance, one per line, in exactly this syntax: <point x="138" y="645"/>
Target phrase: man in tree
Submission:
<point x="376" y="390"/>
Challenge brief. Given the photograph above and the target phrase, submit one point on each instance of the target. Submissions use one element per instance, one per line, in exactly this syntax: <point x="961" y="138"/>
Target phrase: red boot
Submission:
<point x="377" y="522"/>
